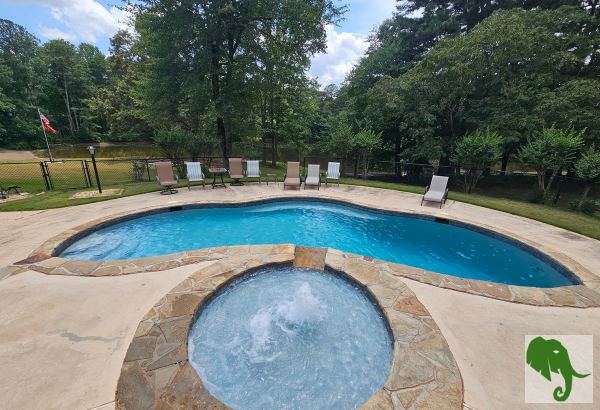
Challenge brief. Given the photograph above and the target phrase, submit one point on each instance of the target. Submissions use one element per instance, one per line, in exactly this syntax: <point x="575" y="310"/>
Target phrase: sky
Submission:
<point x="95" y="21"/>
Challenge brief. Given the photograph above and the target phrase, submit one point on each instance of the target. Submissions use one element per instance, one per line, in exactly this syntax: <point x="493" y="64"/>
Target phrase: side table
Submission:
<point x="272" y="176"/>
<point x="215" y="172"/>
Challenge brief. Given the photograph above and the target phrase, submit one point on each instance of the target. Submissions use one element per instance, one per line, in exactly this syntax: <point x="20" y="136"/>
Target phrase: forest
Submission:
<point x="455" y="82"/>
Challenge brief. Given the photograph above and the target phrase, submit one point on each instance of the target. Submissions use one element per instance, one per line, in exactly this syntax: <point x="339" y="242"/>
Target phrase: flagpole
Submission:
<point x="44" y="128"/>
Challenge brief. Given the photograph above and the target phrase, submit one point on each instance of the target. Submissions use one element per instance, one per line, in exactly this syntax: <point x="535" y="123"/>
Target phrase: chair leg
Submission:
<point x="440" y="204"/>
<point x="188" y="181"/>
<point x="422" y="202"/>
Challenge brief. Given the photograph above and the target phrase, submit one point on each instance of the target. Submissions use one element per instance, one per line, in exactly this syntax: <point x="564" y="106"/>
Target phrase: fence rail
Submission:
<point x="35" y="177"/>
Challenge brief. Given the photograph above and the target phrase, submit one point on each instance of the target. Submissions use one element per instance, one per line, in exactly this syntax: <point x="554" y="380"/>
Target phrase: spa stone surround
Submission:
<point x="156" y="373"/>
<point x="582" y="295"/>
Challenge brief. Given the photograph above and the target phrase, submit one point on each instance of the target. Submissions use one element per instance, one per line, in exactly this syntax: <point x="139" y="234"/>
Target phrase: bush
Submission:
<point x="476" y="152"/>
<point x="588" y="206"/>
<point x="535" y="195"/>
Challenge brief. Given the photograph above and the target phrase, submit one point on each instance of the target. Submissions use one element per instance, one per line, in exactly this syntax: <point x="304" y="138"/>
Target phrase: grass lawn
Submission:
<point x="512" y="203"/>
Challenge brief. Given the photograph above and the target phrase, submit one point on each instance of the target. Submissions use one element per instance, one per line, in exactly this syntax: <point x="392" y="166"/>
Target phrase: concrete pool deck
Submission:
<point x="50" y="326"/>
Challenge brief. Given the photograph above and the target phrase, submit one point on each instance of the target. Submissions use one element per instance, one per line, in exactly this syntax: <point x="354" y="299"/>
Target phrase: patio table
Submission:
<point x="215" y="172"/>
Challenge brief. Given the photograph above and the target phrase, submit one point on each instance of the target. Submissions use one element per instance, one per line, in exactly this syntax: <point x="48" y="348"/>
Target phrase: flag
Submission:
<point x="46" y="123"/>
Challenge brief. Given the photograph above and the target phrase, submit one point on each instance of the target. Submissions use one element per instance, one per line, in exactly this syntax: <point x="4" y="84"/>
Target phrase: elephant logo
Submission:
<point x="550" y="356"/>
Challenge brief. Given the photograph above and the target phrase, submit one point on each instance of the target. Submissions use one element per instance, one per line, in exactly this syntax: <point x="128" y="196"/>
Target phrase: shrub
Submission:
<point x="550" y="149"/>
<point x="588" y="206"/>
<point x="588" y="169"/>
<point x="476" y="152"/>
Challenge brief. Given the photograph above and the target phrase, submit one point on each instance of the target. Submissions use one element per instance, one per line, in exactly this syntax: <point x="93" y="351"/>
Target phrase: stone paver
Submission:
<point x="420" y="350"/>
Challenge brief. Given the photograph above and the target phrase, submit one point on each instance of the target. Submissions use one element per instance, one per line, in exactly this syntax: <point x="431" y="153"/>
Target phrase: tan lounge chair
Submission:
<point x="292" y="177"/>
<point x="236" y="171"/>
<point x="438" y="191"/>
<point x="313" y="178"/>
<point x="165" y="177"/>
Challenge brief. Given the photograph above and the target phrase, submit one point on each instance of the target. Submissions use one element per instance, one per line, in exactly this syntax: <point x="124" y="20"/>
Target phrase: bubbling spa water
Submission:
<point x="288" y="338"/>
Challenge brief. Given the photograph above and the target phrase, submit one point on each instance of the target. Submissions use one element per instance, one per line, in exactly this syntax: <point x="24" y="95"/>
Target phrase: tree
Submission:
<point x="210" y="46"/>
<point x="172" y="144"/>
<point x="365" y="142"/>
<point x="339" y="141"/>
<point x="70" y="88"/>
<point x="588" y="169"/>
<point x="550" y="150"/>
<point x="476" y="152"/>
<point x="20" y="87"/>
<point x="118" y="101"/>
<point x="201" y="144"/>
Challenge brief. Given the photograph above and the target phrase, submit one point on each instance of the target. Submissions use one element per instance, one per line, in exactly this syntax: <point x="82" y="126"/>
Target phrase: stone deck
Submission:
<point x="63" y="339"/>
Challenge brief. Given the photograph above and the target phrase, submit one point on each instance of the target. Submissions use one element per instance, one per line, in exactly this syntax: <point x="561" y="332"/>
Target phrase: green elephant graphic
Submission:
<point x="546" y="356"/>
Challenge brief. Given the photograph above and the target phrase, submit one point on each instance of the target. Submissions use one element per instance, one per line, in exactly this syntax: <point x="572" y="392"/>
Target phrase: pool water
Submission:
<point x="291" y="339"/>
<point x="429" y="245"/>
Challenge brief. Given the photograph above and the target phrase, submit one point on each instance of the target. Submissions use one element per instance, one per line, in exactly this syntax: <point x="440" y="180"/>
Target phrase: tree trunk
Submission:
<point x="583" y="197"/>
<point x="263" y="123"/>
<point x="505" y="157"/>
<point x="68" y="108"/>
<point x="397" y="167"/>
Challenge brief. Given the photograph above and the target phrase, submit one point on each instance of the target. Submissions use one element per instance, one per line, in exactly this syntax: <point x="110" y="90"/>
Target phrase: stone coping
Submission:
<point x="583" y="295"/>
<point x="156" y="373"/>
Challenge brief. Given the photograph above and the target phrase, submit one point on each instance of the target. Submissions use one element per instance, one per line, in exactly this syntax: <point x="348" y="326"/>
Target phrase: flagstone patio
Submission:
<point x="63" y="338"/>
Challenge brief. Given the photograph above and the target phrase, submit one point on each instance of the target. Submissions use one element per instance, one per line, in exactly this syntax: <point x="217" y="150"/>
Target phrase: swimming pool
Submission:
<point x="424" y="244"/>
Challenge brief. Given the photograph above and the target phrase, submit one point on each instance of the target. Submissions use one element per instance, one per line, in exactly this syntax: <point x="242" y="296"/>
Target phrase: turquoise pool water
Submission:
<point x="291" y="339"/>
<point x="433" y="246"/>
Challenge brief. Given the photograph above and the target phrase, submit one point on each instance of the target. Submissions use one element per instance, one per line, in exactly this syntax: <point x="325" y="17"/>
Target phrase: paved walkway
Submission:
<point x="63" y="339"/>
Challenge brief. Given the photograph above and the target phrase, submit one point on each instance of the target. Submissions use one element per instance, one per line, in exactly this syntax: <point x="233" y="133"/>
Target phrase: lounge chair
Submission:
<point x="235" y="171"/>
<point x="438" y="191"/>
<point x="194" y="173"/>
<point x="292" y="177"/>
<point x="252" y="170"/>
<point x="333" y="172"/>
<point x="313" y="178"/>
<point x="165" y="177"/>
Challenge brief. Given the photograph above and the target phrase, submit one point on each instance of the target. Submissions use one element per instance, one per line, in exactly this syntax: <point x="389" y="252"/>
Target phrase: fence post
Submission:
<point x="148" y="169"/>
<point x="472" y="179"/>
<point x="560" y="183"/>
<point x="44" y="175"/>
<point x="304" y="164"/>
<point x="87" y="170"/>
<point x="87" y="184"/>
<point x="355" y="167"/>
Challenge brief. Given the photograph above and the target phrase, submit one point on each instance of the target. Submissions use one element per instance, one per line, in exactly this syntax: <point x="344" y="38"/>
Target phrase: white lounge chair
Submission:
<point x="194" y="173"/>
<point x="333" y="172"/>
<point x="313" y="178"/>
<point x="252" y="170"/>
<point x="438" y="191"/>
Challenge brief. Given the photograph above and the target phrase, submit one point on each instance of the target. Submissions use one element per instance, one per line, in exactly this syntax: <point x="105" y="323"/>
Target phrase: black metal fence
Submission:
<point x="564" y="191"/>
<point x="35" y="177"/>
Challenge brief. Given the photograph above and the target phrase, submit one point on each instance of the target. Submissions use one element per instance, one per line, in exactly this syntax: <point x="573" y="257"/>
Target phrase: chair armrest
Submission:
<point x="446" y="193"/>
<point x="244" y="172"/>
<point x="177" y="178"/>
<point x="284" y="176"/>
<point x="158" y="180"/>
<point x="202" y="173"/>
<point x="426" y="189"/>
